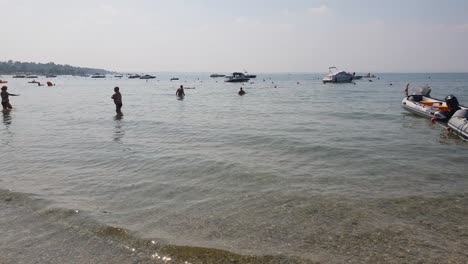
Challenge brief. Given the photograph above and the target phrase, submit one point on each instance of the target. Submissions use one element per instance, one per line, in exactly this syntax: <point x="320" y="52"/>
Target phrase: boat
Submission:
<point x="237" y="77"/>
<point x="134" y="76"/>
<point x="217" y="75"/>
<point x="19" y="76"/>
<point x="250" y="76"/>
<point x="51" y="76"/>
<point x="32" y="76"/>
<point x="1" y="81"/>
<point x="458" y="124"/>
<point x="98" y="76"/>
<point x="147" y="77"/>
<point x="118" y="76"/>
<point x="422" y="104"/>
<point x="174" y="79"/>
<point x="336" y="76"/>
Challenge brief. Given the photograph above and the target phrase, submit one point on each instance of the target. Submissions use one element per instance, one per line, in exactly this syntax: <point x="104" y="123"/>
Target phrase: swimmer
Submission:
<point x="241" y="92"/>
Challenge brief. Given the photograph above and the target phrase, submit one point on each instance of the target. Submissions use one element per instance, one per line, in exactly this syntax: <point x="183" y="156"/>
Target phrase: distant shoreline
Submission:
<point x="17" y="67"/>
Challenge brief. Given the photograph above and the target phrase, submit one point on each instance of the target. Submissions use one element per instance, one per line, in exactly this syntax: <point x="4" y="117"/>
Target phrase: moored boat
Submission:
<point x="336" y="76"/>
<point x="134" y="76"/>
<point x="446" y="112"/>
<point x="98" y="76"/>
<point x="250" y="76"/>
<point x="147" y="77"/>
<point x="237" y="77"/>
<point x="421" y="103"/>
<point x="458" y="124"/>
<point x="217" y="75"/>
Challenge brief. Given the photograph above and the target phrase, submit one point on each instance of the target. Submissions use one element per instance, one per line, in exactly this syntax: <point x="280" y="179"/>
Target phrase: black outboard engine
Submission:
<point x="452" y="103"/>
<point x="453" y="106"/>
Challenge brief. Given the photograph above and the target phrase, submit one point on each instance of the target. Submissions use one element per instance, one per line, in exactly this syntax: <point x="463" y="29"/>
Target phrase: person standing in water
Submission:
<point x="180" y="92"/>
<point x="241" y="91"/>
<point x="5" y="100"/>
<point x="117" y="97"/>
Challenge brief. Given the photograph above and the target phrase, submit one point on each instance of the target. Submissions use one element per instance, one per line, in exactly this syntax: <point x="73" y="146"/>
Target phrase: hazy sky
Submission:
<point x="226" y="36"/>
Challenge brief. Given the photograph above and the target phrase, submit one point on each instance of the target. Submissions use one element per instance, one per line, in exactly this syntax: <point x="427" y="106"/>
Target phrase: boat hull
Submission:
<point x="458" y="124"/>
<point x="237" y="80"/>
<point x="418" y="108"/>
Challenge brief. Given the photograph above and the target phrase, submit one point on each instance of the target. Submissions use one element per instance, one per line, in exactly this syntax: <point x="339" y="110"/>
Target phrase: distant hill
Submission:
<point x="15" y="67"/>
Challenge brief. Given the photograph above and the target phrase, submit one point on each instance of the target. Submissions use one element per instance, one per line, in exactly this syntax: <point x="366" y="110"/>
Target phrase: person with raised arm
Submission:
<point x="5" y="98"/>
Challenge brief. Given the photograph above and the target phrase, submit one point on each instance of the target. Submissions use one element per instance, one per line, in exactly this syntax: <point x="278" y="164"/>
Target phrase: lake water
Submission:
<point x="295" y="171"/>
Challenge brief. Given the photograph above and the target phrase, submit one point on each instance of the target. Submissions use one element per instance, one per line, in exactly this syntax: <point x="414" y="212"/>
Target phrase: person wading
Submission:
<point x="117" y="97"/>
<point x="5" y="100"/>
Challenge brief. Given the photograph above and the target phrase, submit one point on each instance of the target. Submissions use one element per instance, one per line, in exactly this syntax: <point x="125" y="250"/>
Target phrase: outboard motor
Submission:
<point x="453" y="106"/>
<point x="452" y="103"/>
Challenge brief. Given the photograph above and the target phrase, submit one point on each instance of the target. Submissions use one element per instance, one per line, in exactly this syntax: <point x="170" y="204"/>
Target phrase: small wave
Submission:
<point x="54" y="226"/>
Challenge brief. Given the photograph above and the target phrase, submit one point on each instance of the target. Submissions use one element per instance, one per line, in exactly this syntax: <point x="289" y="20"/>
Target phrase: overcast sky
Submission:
<point x="226" y="36"/>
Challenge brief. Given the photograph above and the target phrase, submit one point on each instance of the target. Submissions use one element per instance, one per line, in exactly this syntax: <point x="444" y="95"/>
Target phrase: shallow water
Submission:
<point x="302" y="170"/>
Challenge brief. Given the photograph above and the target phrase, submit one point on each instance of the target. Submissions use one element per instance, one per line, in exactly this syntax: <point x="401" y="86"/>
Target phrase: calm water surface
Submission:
<point x="303" y="170"/>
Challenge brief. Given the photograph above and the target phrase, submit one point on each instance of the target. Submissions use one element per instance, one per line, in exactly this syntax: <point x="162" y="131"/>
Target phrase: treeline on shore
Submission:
<point x="15" y="67"/>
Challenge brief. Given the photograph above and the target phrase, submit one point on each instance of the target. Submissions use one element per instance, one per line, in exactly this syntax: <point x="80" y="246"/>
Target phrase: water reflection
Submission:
<point x="6" y="118"/>
<point x="118" y="130"/>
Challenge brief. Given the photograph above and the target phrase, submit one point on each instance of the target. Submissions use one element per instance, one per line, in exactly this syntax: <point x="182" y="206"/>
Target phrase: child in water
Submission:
<point x="117" y="97"/>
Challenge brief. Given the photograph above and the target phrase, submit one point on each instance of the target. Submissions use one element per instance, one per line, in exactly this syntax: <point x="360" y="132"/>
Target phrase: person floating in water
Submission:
<point x="117" y="97"/>
<point x="5" y="100"/>
<point x="180" y="92"/>
<point x="241" y="92"/>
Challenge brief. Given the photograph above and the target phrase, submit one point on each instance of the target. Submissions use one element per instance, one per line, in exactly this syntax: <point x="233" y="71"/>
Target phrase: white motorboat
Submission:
<point x="237" y="77"/>
<point x="336" y="76"/>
